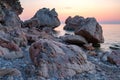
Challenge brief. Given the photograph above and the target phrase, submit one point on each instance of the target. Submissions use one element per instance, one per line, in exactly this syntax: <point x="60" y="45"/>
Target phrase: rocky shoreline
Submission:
<point x="29" y="50"/>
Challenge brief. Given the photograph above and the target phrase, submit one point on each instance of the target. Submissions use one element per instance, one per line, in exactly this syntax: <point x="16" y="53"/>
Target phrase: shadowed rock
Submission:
<point x="91" y="31"/>
<point x="55" y="59"/>
<point x="43" y="18"/>
<point x="13" y="5"/>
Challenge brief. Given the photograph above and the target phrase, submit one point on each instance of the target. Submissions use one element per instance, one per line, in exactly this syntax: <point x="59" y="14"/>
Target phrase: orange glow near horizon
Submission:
<point x="102" y="10"/>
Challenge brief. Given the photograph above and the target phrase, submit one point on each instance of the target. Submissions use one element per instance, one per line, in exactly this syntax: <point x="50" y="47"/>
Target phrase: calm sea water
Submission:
<point x="111" y="33"/>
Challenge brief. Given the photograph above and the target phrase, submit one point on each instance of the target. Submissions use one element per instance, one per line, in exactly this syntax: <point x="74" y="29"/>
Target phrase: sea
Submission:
<point x="111" y="33"/>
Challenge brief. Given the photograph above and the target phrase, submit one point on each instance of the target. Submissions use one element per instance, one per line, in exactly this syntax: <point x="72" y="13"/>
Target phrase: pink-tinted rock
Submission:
<point x="91" y="31"/>
<point x="43" y="18"/>
<point x="73" y="23"/>
<point x="114" y="57"/>
<point x="10" y="45"/>
<point x="55" y="59"/>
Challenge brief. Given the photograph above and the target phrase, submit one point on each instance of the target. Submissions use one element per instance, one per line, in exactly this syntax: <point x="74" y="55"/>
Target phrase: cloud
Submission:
<point x="67" y="7"/>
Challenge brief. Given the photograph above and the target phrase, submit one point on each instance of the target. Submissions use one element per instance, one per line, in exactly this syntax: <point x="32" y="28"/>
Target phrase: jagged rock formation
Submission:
<point x="43" y="18"/>
<point x="73" y="23"/>
<point x="9" y="11"/>
<point x="114" y="57"/>
<point x="55" y="59"/>
<point x="10" y="23"/>
<point x="13" y="5"/>
<point x="89" y="28"/>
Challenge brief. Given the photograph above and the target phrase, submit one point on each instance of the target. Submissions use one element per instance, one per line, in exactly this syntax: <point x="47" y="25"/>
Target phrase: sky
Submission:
<point x="105" y="11"/>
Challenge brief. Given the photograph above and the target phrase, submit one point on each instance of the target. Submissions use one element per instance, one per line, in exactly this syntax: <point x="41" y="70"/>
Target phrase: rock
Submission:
<point x="10" y="10"/>
<point x="73" y="23"/>
<point x="91" y="31"/>
<point x="55" y="59"/>
<point x="13" y="5"/>
<point x="30" y="70"/>
<point x="97" y="45"/>
<point x="74" y="39"/>
<point x="10" y="23"/>
<point x="92" y="53"/>
<point x="43" y="18"/>
<point x="114" y="57"/>
<point x="4" y="42"/>
<point x="9" y="72"/>
<point x="8" y="54"/>
<point x="105" y="56"/>
<point x="33" y="35"/>
<point x="9" y="49"/>
<point x="115" y="47"/>
<point x="89" y="46"/>
<point x="18" y="37"/>
<point x="13" y="39"/>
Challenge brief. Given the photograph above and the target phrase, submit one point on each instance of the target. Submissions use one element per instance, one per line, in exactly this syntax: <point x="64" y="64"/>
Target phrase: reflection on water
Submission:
<point x="61" y="32"/>
<point x="111" y="34"/>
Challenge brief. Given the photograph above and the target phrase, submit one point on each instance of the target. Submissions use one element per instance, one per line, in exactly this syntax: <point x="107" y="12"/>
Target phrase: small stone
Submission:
<point x="105" y="56"/>
<point x="114" y="57"/>
<point x="92" y="53"/>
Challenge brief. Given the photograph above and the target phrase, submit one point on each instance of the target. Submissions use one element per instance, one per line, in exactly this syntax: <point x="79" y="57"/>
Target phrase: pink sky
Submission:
<point x="102" y="10"/>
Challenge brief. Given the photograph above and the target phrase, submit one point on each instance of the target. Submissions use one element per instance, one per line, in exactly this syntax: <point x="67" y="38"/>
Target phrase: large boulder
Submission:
<point x="73" y="23"/>
<point x="43" y="18"/>
<point x="91" y="31"/>
<point x="55" y="59"/>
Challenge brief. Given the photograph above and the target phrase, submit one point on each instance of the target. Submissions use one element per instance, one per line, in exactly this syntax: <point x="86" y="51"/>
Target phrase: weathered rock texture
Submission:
<point x="89" y="28"/>
<point x="9" y="11"/>
<point x="11" y="36"/>
<point x="73" y="23"/>
<point x="9" y="49"/>
<point x="10" y="23"/>
<point x="34" y="34"/>
<point x="74" y="39"/>
<point x="91" y="31"/>
<point x="13" y="5"/>
<point x="9" y="72"/>
<point x="43" y="18"/>
<point x="55" y="59"/>
<point x="114" y="57"/>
